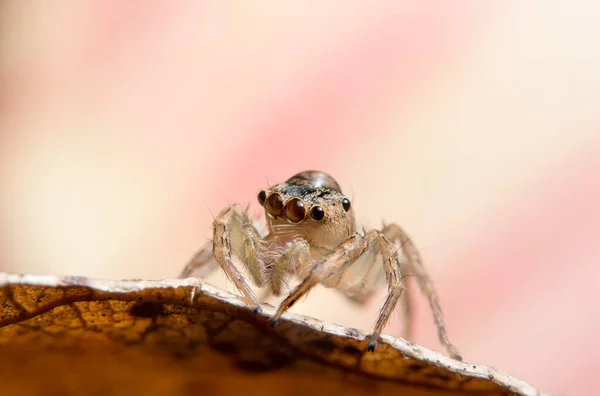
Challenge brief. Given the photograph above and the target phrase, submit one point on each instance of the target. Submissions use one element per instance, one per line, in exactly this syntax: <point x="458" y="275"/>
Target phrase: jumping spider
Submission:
<point x="312" y="234"/>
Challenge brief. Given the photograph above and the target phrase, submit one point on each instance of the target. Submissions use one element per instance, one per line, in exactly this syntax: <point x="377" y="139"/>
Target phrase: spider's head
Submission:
<point x="312" y="205"/>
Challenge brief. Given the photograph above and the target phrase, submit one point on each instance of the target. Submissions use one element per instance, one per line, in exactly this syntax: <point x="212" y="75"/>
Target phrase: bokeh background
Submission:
<point x="474" y="124"/>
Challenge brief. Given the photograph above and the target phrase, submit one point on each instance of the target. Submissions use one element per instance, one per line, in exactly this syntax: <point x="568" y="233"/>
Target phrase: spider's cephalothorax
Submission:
<point x="312" y="235"/>
<point x="310" y="206"/>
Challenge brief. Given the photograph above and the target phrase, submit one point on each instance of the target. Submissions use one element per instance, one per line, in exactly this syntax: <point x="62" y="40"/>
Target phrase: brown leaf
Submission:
<point x="75" y="335"/>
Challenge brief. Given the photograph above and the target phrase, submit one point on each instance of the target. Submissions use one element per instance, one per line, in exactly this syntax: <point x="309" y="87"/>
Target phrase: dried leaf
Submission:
<point x="75" y="335"/>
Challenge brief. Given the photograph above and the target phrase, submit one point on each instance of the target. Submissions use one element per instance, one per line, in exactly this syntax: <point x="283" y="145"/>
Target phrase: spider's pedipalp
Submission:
<point x="282" y="265"/>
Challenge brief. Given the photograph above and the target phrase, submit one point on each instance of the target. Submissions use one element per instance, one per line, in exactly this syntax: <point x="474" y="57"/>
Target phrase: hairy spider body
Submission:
<point x="312" y="235"/>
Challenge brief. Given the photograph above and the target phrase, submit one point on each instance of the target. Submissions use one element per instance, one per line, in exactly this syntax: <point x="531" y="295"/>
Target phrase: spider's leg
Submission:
<point x="358" y="278"/>
<point x="415" y="265"/>
<point x="393" y="275"/>
<point x="332" y="268"/>
<point x="332" y="265"/>
<point x="234" y="234"/>
<point x="407" y="303"/>
<point x="361" y="280"/>
<point x="202" y="264"/>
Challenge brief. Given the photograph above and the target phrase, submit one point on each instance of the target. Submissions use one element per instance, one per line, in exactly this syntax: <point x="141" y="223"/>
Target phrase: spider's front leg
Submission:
<point x="235" y="235"/>
<point x="332" y="264"/>
<point x="329" y="271"/>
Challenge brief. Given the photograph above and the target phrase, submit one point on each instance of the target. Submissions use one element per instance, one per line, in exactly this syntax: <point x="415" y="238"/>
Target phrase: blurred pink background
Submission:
<point x="473" y="124"/>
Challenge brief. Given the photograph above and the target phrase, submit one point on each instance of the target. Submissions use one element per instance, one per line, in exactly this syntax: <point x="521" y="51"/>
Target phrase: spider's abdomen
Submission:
<point x="314" y="179"/>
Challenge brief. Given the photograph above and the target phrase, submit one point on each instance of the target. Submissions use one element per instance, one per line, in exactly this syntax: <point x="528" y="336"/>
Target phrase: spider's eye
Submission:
<point x="275" y="205"/>
<point x="346" y="204"/>
<point x="317" y="213"/>
<point x="294" y="210"/>
<point x="261" y="197"/>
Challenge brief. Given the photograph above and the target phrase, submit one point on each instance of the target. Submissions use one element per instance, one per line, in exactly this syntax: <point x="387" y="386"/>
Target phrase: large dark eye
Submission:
<point x="294" y="210"/>
<point x="261" y="198"/>
<point x="346" y="204"/>
<point x="317" y="213"/>
<point x="275" y="205"/>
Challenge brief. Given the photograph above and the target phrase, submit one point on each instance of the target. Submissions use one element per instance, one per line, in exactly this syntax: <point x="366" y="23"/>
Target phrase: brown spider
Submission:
<point x="312" y="234"/>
